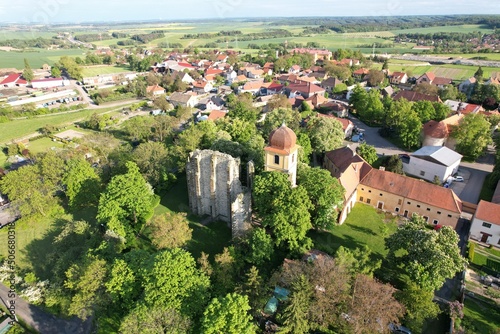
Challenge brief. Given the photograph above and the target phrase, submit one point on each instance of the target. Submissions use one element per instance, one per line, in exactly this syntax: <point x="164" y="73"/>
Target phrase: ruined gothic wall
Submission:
<point x="215" y="190"/>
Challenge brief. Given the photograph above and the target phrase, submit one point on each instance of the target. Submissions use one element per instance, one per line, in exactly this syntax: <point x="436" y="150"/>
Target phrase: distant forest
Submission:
<point x="382" y="23"/>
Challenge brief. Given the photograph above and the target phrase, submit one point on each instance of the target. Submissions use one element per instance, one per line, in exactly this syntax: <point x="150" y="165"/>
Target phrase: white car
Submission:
<point x="458" y="178"/>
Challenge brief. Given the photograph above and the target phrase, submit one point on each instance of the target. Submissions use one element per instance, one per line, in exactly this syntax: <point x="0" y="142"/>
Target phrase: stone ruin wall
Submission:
<point x="215" y="189"/>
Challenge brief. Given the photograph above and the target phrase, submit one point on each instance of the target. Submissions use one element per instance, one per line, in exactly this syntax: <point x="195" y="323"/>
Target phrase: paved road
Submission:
<point x="44" y="322"/>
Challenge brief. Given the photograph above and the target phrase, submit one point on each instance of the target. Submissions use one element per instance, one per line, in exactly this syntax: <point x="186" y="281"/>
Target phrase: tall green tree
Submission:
<point x="427" y="257"/>
<point x="472" y="135"/>
<point x="152" y="158"/>
<point x="170" y="230"/>
<point x="260" y="246"/>
<point x="155" y="320"/>
<point x="367" y="152"/>
<point x="409" y="130"/>
<point x="126" y="203"/>
<point x="27" y="71"/>
<point x="82" y="184"/>
<point x="296" y="312"/>
<point x="55" y="72"/>
<point x="173" y="282"/>
<point x="283" y="209"/>
<point x="278" y="116"/>
<point x="326" y="195"/>
<point x="229" y="315"/>
<point x="325" y="133"/>
<point x="419" y="305"/>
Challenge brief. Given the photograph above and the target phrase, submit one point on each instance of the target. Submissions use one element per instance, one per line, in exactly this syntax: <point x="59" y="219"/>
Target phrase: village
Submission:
<point x="347" y="134"/>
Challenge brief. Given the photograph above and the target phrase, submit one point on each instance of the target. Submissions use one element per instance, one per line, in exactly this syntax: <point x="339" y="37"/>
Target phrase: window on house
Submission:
<point x="435" y="221"/>
<point x="487" y="225"/>
<point x="498" y="243"/>
<point x="449" y="216"/>
<point x="368" y="200"/>
<point x="362" y="188"/>
<point x="277" y="159"/>
<point x="422" y="173"/>
<point x="400" y="201"/>
<point x="428" y="209"/>
<point x="408" y="202"/>
<point x="369" y="191"/>
<point x="380" y="194"/>
<point x="439" y="212"/>
<point x="418" y="205"/>
<point x="396" y="209"/>
<point x="361" y="199"/>
<point x="426" y="218"/>
<point x="293" y="158"/>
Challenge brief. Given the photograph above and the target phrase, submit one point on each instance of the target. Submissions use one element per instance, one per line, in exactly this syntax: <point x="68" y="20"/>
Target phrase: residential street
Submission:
<point x="44" y="322"/>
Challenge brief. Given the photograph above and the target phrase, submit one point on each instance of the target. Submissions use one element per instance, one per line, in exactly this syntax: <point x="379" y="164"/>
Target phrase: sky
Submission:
<point x="77" y="11"/>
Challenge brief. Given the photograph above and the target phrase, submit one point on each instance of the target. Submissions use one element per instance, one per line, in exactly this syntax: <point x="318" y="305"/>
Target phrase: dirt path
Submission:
<point x="44" y="322"/>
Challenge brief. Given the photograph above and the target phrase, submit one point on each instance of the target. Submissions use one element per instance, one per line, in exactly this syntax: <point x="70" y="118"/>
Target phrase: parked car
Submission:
<point x="398" y="329"/>
<point x="458" y="178"/>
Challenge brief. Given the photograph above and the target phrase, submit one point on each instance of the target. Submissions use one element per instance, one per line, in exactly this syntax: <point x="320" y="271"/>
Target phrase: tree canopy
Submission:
<point x="229" y="315"/>
<point x="427" y="257"/>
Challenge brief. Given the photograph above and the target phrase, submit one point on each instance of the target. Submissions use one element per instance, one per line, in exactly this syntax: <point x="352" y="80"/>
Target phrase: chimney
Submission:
<point x="382" y="168"/>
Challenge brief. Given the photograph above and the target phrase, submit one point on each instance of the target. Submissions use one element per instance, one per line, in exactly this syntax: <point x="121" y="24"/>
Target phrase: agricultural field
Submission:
<point x="6" y="34"/>
<point x="455" y="72"/>
<point x="36" y="58"/>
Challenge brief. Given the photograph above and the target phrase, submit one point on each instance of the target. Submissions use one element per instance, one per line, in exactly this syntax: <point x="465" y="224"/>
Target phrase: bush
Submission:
<point x="472" y="246"/>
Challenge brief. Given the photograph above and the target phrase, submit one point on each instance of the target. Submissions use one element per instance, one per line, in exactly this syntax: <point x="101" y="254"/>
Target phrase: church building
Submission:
<point x="281" y="154"/>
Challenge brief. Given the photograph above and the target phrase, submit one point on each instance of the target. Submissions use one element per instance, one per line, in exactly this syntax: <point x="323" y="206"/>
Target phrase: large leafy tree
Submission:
<point x="229" y="315"/>
<point x="123" y="284"/>
<point x="358" y="99"/>
<point x="172" y="281"/>
<point x="155" y="320"/>
<point x="296" y="313"/>
<point x="283" y="209"/>
<point x="126" y="203"/>
<point x="424" y="109"/>
<point x="410" y="129"/>
<point x="170" y="230"/>
<point x="82" y="183"/>
<point x="373" y="110"/>
<point x="153" y="161"/>
<point x="472" y="135"/>
<point x="367" y="152"/>
<point x="419" y="305"/>
<point x="139" y="128"/>
<point x="326" y="195"/>
<point x="260" y="246"/>
<point x="241" y="106"/>
<point x="326" y="133"/>
<point x="276" y="117"/>
<point x="427" y="257"/>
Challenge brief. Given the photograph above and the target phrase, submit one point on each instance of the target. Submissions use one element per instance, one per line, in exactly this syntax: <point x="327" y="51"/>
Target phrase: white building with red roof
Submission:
<point x="485" y="225"/>
<point x="12" y="80"/>
<point x="48" y="83"/>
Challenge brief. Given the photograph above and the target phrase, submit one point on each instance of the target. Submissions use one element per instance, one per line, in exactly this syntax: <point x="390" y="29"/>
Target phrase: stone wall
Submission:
<point x="215" y="190"/>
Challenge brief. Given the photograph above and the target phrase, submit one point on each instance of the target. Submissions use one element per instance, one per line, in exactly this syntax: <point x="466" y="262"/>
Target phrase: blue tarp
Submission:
<point x="281" y="293"/>
<point x="271" y="306"/>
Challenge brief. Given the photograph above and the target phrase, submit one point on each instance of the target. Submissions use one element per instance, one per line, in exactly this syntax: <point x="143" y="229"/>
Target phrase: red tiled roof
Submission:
<point x="441" y="81"/>
<point x="436" y="129"/>
<point x="11" y="78"/>
<point x="305" y="88"/>
<point x="186" y="65"/>
<point x="415" y="96"/>
<point x="411" y="188"/>
<point x="213" y="71"/>
<point x="489" y="212"/>
<point x="216" y="114"/>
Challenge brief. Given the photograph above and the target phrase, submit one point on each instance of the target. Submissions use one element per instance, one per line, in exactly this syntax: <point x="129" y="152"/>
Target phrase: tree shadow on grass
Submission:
<point x="211" y="238"/>
<point x="330" y="243"/>
<point x="362" y="229"/>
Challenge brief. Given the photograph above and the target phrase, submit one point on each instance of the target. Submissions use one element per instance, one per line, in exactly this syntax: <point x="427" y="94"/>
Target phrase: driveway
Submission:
<point x="470" y="189"/>
<point x="44" y="322"/>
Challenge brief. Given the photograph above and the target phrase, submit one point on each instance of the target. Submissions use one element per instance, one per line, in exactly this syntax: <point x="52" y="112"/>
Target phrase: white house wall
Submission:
<point x="477" y="227"/>
<point x="430" y="169"/>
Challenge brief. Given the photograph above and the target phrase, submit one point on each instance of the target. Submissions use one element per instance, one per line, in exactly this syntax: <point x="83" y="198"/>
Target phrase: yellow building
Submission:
<point x="281" y="154"/>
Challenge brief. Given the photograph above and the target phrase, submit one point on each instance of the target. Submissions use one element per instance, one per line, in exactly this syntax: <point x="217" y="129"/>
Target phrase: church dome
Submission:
<point x="283" y="138"/>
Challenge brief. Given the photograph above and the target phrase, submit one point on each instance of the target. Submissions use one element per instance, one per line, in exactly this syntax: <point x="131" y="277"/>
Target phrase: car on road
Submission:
<point x="458" y="178"/>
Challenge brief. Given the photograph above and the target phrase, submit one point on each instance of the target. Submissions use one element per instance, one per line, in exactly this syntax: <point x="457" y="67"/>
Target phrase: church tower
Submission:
<point x="281" y="154"/>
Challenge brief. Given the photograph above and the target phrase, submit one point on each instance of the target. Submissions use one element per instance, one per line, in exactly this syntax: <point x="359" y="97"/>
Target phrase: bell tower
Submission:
<point x="281" y="154"/>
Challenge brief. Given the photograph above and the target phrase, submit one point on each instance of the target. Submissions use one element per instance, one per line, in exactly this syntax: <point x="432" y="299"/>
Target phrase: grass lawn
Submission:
<point x="43" y="144"/>
<point x="480" y="317"/>
<point x="211" y="238"/>
<point x="92" y="71"/>
<point x="26" y="232"/>
<point x="488" y="259"/>
<point x="23" y="127"/>
<point x="363" y="226"/>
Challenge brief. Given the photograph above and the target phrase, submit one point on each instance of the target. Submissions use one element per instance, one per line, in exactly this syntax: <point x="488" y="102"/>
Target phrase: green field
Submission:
<point x="36" y="58"/>
<point x="28" y="34"/>
<point x="480" y="317"/>
<point x="92" y="71"/>
<point x="455" y="72"/>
